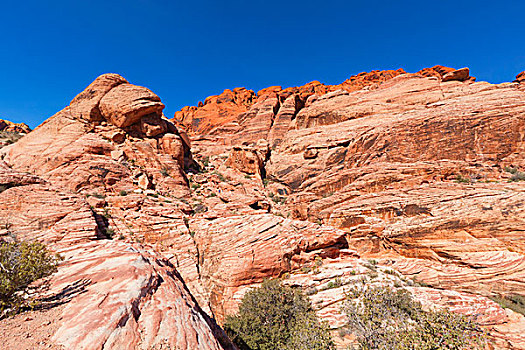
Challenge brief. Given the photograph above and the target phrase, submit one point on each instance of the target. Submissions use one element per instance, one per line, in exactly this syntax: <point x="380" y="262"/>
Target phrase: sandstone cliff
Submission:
<point x="392" y="177"/>
<point x="115" y="292"/>
<point x="420" y="171"/>
<point x="6" y="125"/>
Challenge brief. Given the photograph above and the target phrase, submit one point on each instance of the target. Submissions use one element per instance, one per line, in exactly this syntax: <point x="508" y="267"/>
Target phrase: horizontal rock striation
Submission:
<point x="408" y="179"/>
<point x="66" y="184"/>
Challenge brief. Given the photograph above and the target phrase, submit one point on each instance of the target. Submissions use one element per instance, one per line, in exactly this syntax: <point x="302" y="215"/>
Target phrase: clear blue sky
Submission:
<point x="187" y="50"/>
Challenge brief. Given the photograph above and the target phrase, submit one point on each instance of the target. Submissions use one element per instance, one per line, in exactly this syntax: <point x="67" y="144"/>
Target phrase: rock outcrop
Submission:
<point x="420" y="170"/>
<point x="242" y="110"/>
<point x="60" y="184"/>
<point x="408" y="179"/>
<point x="520" y="78"/>
<point x="21" y="128"/>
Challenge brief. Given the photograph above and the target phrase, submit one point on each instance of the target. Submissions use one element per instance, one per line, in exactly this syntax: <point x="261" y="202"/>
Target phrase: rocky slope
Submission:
<point x="6" y="125"/>
<point x="11" y="132"/>
<point x="55" y="183"/>
<point x="420" y="171"/>
<point x="389" y="177"/>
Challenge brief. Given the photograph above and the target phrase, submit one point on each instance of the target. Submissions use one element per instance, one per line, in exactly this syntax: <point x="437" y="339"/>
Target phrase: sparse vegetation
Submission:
<point x="110" y="232"/>
<point x="22" y="263"/>
<point x="10" y="137"/>
<point x="278" y="199"/>
<point x="205" y="162"/>
<point x="518" y="176"/>
<point x="123" y="193"/>
<point x="462" y="179"/>
<point x="514" y="302"/>
<point x="220" y="176"/>
<point x="387" y="318"/>
<point x="276" y="316"/>
<point x="336" y="283"/>
<point x="510" y="170"/>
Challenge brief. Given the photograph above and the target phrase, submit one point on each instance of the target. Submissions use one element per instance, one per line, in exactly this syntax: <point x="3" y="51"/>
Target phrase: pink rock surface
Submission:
<point x="305" y="183"/>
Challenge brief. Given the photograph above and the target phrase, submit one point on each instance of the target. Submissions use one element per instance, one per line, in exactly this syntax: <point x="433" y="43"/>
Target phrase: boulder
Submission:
<point x="459" y="74"/>
<point x="126" y="104"/>
<point x="86" y="104"/>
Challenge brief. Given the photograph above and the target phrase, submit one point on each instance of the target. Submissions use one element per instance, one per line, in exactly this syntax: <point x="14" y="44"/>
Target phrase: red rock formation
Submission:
<point x="118" y="295"/>
<point x="520" y="77"/>
<point x="304" y="183"/>
<point x="411" y="168"/>
<point x="21" y="128"/>
<point x="241" y="106"/>
<point x="216" y="110"/>
<point x="459" y="74"/>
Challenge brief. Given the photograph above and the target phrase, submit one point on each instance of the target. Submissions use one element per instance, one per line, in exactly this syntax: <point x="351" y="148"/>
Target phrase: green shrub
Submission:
<point x="511" y="170"/>
<point x="386" y="318"/>
<point x="22" y="263"/>
<point x="276" y="316"/>
<point x="10" y="137"/>
<point x="461" y="179"/>
<point x="518" y="176"/>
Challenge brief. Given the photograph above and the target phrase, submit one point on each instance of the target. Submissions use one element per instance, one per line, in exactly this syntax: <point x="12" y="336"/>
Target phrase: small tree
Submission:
<point x="276" y="316"/>
<point x="22" y="263"/>
<point x="385" y="318"/>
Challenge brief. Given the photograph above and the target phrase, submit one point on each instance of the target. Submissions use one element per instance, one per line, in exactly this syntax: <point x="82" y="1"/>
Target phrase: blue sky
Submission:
<point x="187" y="50"/>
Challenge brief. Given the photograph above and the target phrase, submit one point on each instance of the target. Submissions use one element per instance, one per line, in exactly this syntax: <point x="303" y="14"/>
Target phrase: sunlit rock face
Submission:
<point x="110" y="151"/>
<point x="420" y="171"/>
<point x="167" y="223"/>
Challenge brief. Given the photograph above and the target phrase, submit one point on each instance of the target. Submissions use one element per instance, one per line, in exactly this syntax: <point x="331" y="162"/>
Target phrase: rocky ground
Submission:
<point x="393" y="178"/>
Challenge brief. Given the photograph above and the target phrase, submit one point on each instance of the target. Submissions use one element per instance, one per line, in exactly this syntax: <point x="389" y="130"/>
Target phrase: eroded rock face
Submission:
<point x="76" y="147"/>
<point x="459" y="74"/>
<point x="252" y="116"/>
<point x="118" y="295"/>
<point x="77" y="180"/>
<point x="21" y="128"/>
<point x="304" y="183"/>
<point x="126" y="104"/>
<point x="417" y="169"/>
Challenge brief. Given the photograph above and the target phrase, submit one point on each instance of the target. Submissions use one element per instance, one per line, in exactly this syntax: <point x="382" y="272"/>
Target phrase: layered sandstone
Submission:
<point x="237" y="109"/>
<point x="60" y="185"/>
<point x="416" y="171"/>
<point x="21" y="128"/>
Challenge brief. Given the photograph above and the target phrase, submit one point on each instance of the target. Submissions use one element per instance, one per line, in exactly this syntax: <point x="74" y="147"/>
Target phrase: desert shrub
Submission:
<point x="10" y="137"/>
<point x="276" y="316"/>
<point x="514" y="302"/>
<point x="387" y="318"/>
<point x="461" y="179"/>
<point x="22" y="263"/>
<point x="511" y="170"/>
<point x="518" y="176"/>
